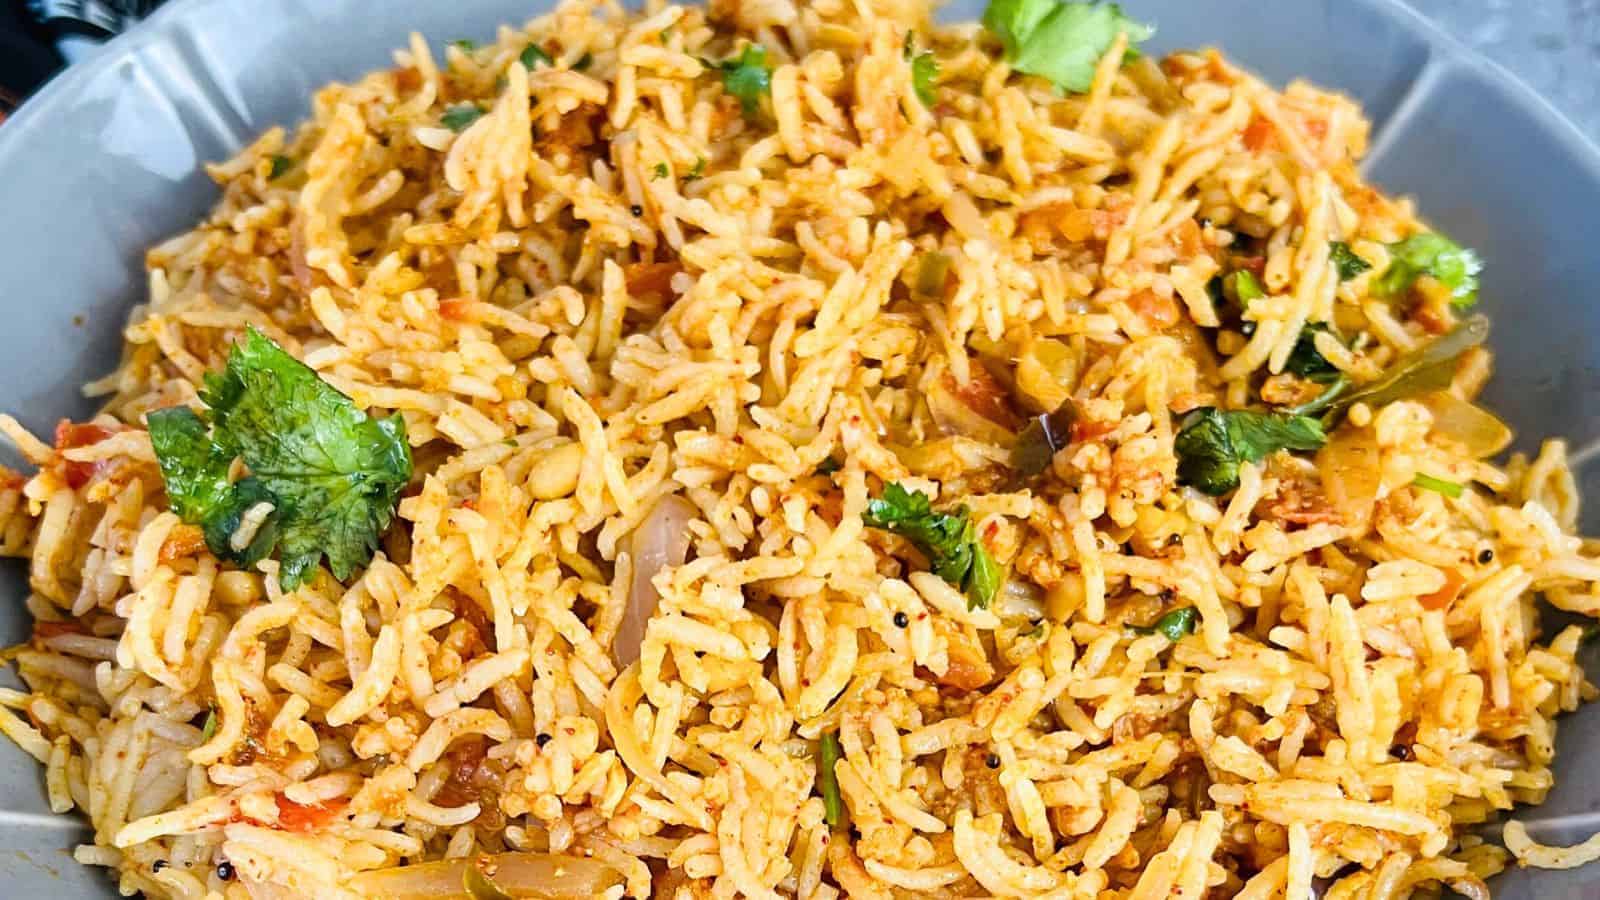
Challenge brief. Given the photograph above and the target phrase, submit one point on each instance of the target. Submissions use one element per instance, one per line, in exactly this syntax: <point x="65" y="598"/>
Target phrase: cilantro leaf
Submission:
<point x="1346" y="261"/>
<point x="924" y="70"/>
<point x="659" y="171"/>
<point x="1061" y="40"/>
<point x="280" y="165"/>
<point x="324" y="477"/>
<point x="194" y="468"/>
<point x="465" y="45"/>
<point x="458" y="117"/>
<point x="533" y="55"/>
<point x="948" y="540"/>
<point x="1306" y="361"/>
<point x="1214" y="443"/>
<point x="1433" y="254"/>
<point x="697" y="172"/>
<point x="747" y="77"/>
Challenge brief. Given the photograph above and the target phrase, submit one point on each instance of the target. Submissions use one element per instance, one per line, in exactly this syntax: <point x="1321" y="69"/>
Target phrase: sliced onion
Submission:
<point x="661" y="540"/>
<point x="955" y="416"/>
<point x="1019" y="598"/>
<point x="1047" y="372"/>
<point x="551" y="876"/>
<point x="1349" y="466"/>
<point x="1146" y="74"/>
<point x="1477" y="429"/>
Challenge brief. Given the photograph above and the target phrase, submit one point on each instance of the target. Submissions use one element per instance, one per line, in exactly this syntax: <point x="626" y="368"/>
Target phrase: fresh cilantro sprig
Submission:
<point x="747" y="77"/>
<point x="533" y="56"/>
<point x="948" y="539"/>
<point x="1061" y="40"/>
<point x="924" y="70"/>
<point x="1455" y="266"/>
<point x="1306" y="361"/>
<point x="458" y="117"/>
<point x="1346" y="261"/>
<point x="323" y="478"/>
<point x="1214" y="443"/>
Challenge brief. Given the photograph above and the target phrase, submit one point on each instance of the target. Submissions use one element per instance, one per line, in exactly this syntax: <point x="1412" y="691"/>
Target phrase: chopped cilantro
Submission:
<point x="948" y="540"/>
<point x="697" y="172"/>
<point x="924" y="69"/>
<point x="747" y="77"/>
<point x="1346" y="261"/>
<point x="1061" y="40"/>
<point x="533" y="56"/>
<point x="465" y="45"/>
<point x="323" y="478"/>
<point x="1436" y="255"/>
<point x="210" y="727"/>
<point x="458" y="117"/>
<point x="659" y="171"/>
<point x="1306" y="361"/>
<point x="280" y="165"/>
<point x="1214" y="443"/>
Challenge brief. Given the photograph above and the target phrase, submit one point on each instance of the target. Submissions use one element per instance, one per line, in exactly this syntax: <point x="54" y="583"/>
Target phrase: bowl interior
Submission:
<point x="106" y="163"/>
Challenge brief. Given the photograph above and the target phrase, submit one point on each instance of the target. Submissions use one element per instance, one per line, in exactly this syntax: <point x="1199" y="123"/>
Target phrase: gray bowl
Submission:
<point x="105" y="162"/>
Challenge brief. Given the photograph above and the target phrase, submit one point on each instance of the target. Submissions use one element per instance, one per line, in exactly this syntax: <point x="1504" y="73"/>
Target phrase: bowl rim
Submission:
<point x="35" y="110"/>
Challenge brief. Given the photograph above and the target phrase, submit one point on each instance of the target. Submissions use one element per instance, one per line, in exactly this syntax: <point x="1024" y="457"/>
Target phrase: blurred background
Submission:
<point x="1554" y="45"/>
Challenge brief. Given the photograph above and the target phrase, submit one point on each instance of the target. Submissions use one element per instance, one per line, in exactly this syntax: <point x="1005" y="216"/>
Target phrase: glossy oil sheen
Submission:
<point x="106" y="162"/>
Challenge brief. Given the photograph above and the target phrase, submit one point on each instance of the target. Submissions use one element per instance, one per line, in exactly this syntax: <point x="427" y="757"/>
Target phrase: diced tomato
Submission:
<point x="1158" y="312"/>
<point x="54" y="629"/>
<point x="73" y="434"/>
<point x="1088" y="431"/>
<point x="456" y="309"/>
<point x="182" y="542"/>
<point x="984" y="396"/>
<point x="1446" y="595"/>
<point x="1259" y="135"/>
<point x="294" y="816"/>
<point x="650" y="277"/>
<point x="1256" y="264"/>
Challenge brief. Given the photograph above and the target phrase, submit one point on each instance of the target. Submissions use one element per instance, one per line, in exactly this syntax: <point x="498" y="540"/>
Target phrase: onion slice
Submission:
<point x="660" y="540"/>
<point x="1472" y="426"/>
<point x="550" y="876"/>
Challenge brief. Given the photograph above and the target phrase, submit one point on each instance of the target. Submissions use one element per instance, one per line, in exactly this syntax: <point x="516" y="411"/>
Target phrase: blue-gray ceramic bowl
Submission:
<point x="105" y="162"/>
